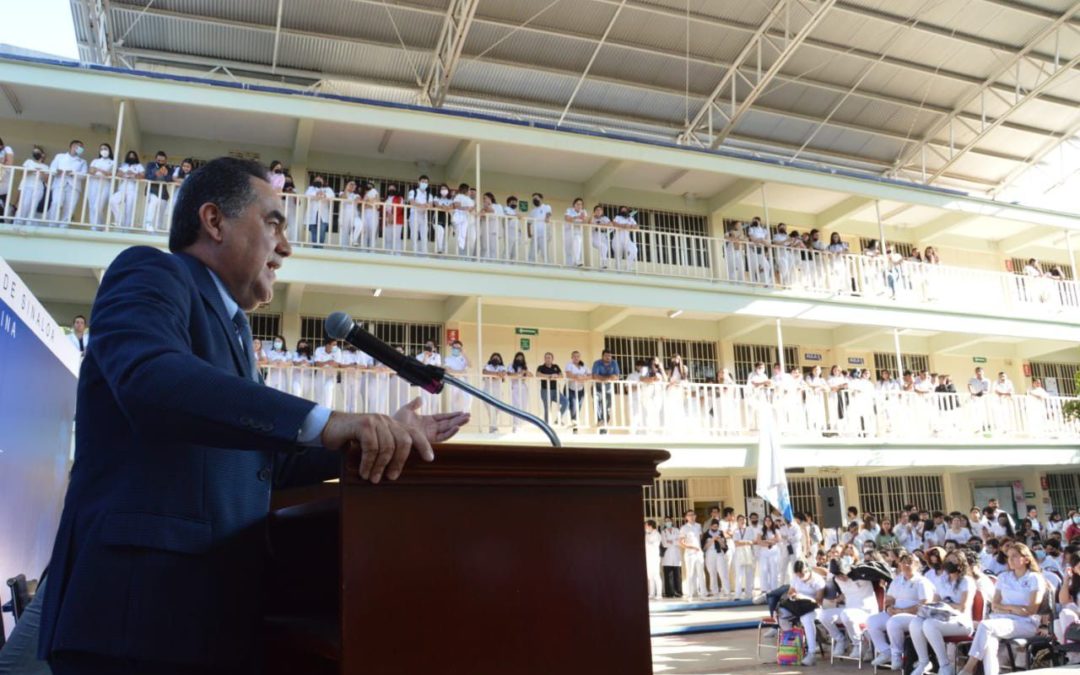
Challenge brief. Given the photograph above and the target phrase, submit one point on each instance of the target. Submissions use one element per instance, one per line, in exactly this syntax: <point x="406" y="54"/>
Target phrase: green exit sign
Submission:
<point x="527" y="331"/>
<point x="978" y="359"/>
<point x="525" y="344"/>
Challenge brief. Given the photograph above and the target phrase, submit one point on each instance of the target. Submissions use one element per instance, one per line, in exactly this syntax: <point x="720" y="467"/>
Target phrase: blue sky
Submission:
<point x="41" y="25"/>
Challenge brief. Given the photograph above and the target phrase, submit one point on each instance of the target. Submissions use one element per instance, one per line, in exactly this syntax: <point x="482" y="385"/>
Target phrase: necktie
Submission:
<point x="243" y="331"/>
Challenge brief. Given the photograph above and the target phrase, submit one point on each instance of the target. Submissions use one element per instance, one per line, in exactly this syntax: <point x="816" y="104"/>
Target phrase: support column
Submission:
<point x="478" y="361"/>
<point x="880" y="227"/>
<point x="1072" y="254"/>
<point x="780" y="347"/>
<point x="116" y="159"/>
<point x="899" y="356"/>
<point x="765" y="205"/>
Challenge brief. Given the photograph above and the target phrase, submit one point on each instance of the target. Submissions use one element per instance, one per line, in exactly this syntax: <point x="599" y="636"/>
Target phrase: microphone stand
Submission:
<point x="505" y="407"/>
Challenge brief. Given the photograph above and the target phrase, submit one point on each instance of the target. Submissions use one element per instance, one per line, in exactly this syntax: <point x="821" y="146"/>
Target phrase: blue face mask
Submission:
<point x="455" y="352"/>
<point x="1039" y="555"/>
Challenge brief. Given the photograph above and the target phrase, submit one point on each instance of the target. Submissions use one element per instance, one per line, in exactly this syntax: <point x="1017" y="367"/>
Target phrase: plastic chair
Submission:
<point x="978" y="608"/>
<point x="864" y="639"/>
<point x="1043" y="638"/>
<point x="767" y="622"/>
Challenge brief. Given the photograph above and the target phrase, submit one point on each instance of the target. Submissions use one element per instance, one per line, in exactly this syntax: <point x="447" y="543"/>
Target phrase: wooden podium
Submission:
<point x="491" y="560"/>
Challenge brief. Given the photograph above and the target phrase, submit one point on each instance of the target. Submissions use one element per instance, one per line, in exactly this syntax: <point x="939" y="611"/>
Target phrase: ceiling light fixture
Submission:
<point x="378" y="292"/>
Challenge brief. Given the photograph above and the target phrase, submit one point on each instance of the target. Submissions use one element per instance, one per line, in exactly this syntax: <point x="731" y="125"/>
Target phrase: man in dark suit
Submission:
<point x="158" y="559"/>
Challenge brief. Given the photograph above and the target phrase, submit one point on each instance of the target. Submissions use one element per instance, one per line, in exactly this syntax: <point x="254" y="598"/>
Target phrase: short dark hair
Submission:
<point x="225" y="181"/>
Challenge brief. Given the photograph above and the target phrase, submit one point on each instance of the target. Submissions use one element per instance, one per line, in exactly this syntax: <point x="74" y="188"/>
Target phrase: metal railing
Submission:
<point x="436" y="230"/>
<point x="688" y="410"/>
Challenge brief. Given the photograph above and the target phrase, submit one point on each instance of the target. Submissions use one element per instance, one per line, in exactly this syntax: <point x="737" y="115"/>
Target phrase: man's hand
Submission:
<point x="385" y="442"/>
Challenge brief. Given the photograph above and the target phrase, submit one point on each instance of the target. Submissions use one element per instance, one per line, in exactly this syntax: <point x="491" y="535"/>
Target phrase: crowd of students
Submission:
<point x="882" y="580"/>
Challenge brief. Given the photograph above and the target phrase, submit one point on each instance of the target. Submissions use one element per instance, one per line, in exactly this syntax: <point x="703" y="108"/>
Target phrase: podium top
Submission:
<point x="473" y="464"/>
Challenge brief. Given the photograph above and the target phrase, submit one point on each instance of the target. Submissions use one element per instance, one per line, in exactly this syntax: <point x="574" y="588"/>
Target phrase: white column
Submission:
<point x="899" y="359"/>
<point x="880" y="227"/>
<point x="780" y="346"/>
<point x="1072" y="254"/>
<point x="478" y="362"/>
<point x="116" y="160"/>
<point x="765" y="205"/>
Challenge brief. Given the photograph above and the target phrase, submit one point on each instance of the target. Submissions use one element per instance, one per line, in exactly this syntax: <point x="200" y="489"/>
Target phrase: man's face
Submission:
<point x="79" y="324"/>
<point x="252" y="247"/>
<point x="606" y="357"/>
<point x="161" y="159"/>
<point x="979" y="373"/>
<point x="691" y="517"/>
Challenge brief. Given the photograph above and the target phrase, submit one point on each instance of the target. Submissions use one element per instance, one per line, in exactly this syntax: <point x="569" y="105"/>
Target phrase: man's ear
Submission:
<point x="211" y="220"/>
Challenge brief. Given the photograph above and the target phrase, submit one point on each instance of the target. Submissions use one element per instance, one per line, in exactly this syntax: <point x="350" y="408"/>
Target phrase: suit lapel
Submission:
<point x="210" y="294"/>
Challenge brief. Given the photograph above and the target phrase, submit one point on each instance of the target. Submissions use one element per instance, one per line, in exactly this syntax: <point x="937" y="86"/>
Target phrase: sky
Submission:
<point x="41" y="25"/>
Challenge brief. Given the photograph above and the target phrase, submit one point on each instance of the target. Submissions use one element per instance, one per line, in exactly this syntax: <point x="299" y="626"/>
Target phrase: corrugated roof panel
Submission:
<point x="511" y="82"/>
<point x="527" y="48"/>
<point x="246" y="11"/>
<point x="189" y="36"/>
<point x="366" y="22"/>
<point x="630" y="101"/>
<point x="583" y="18"/>
<point x="383" y="64"/>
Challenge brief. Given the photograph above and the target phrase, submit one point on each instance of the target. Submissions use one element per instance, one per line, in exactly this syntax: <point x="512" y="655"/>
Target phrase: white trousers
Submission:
<point x="440" y="238"/>
<point x="572" y="244"/>
<point x="624" y="248"/>
<point x="98" y="192"/>
<point x="766" y="570"/>
<point x="519" y="398"/>
<point x="652" y="569"/>
<point x="1069" y="615"/>
<point x="539" y="250"/>
<point x="744" y="580"/>
<point x="29" y="197"/>
<point x="418" y="229"/>
<point x="601" y="241"/>
<point x="369" y="233"/>
<point x="991" y="631"/>
<point x="155" y="208"/>
<point x="931" y="633"/>
<point x="122" y="204"/>
<point x="712" y="571"/>
<point x="65" y="196"/>
<point x="461" y="233"/>
<point x="808" y="622"/>
<point x="851" y="619"/>
<point x="394" y="232"/>
<point x="887" y="632"/>
<point x="694" y="565"/>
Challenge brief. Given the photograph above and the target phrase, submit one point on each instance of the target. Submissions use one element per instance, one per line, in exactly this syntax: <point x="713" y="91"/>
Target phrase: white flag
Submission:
<point x="771" y="480"/>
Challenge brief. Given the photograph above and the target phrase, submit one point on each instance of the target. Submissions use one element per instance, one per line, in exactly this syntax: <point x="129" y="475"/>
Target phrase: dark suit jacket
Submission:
<point x="161" y="545"/>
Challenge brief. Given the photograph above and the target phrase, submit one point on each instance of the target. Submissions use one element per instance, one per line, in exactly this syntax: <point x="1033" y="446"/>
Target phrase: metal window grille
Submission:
<point x="407" y="335"/>
<point x="747" y="355"/>
<point x="265" y="326"/>
<point x="668" y="250"/>
<point x="1064" y="491"/>
<point x="1063" y="374"/>
<point x="698" y="355"/>
<point x="902" y="247"/>
<point x="912" y="362"/>
<point x="887" y="495"/>
<point x="804" y="492"/>
<point x="666" y="498"/>
<point x="1017" y="265"/>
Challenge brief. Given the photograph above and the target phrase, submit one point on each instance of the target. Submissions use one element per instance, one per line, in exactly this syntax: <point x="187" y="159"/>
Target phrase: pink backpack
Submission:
<point x="791" y="648"/>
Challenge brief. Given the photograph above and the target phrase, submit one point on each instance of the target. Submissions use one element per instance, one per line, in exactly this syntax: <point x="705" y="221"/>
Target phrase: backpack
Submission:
<point x="791" y="648"/>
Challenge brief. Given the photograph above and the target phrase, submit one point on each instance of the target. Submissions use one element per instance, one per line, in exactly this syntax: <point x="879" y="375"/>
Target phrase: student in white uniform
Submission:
<point x="760" y="257"/>
<point x="419" y="199"/>
<point x="601" y="235"/>
<point x="768" y="553"/>
<point x="442" y="205"/>
<point x="327" y="360"/>
<point x="7" y="158"/>
<point x="430" y="356"/>
<point x="539" y="219"/>
<point x="494" y="377"/>
<point x="906" y="592"/>
<point x="805" y="585"/>
<point x="349" y="226"/>
<point x="122" y="202"/>
<point x="743" y="538"/>
<point x="99" y="185"/>
<point x="511" y="226"/>
<point x="355" y="365"/>
<point x="714" y="544"/>
<point x="573" y="231"/>
<point x="68" y="169"/>
<point x="79" y="335"/>
<point x="652" y="560"/>
<point x="726" y="563"/>
<point x="1069" y="603"/>
<point x="791" y="547"/>
<point x="32" y="186"/>
<point x="693" y="556"/>
<point x="957" y="591"/>
<point x="490" y="227"/>
<point x="369" y="232"/>
<point x="622" y="243"/>
<point x="858" y="602"/>
<point x="1014" y="611"/>
<point x="319" y="197"/>
<point x="457" y="364"/>
<point x="303" y="380"/>
<point x="277" y="372"/>
<point x="785" y="257"/>
<point x="461" y="218"/>
<point x="518" y="373"/>
<point x="672" y="560"/>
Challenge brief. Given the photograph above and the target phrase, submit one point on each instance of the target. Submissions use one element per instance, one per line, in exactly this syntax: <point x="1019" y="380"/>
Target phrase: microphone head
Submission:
<point x="338" y="325"/>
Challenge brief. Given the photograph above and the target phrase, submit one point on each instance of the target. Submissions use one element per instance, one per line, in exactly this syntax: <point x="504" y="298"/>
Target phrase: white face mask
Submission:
<point x="278" y="345"/>
<point x="104" y="153"/>
<point x="444" y="192"/>
<point x="423" y="186"/>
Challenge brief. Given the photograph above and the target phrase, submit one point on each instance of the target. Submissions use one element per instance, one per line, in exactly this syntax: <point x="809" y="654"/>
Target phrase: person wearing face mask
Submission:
<point x="363" y="391"/>
<point x="349" y="225"/>
<point x="463" y="209"/>
<point x="494" y="376"/>
<point x="319" y="199"/>
<point x="715" y="546"/>
<point x="784" y="260"/>
<point x="512" y="225"/>
<point x="328" y="360"/>
<point x="573" y="229"/>
<point x="278" y="360"/>
<point x="179" y="176"/>
<point x="539" y="218"/>
<point x="443" y="203"/>
<point x="291" y="202"/>
<point x="743" y="539"/>
<point x="429" y="356"/>
<point x="956" y="593"/>
<point x="303" y="377"/>
<point x="693" y="556"/>
<point x="1072" y="530"/>
<point x="457" y="364"/>
<point x="1069" y="603"/>
<point x="98" y="188"/>
<point x="806" y="586"/>
<point x="672" y="560"/>
<point x="32" y="186"/>
<point x="601" y="234"/>
<point x="856" y="603"/>
<point x="622" y="243"/>
<point x="122" y="202"/>
<point x="277" y="175"/>
<point x="519" y="388"/>
<point x="490" y="227"/>
<point x="67" y="168"/>
<point x="419" y="201"/>
<point x="159" y="172"/>
<point x="394" y="220"/>
<point x="369" y="217"/>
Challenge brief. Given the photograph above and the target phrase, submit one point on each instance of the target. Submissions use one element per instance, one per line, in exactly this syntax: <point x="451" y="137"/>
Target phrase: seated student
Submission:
<point x="855" y="605"/>
<point x="806" y="587"/>
<point x="1014" y="611"/>
<point x="956" y="591"/>
<point x="1069" y="602"/>
<point x="906" y="593"/>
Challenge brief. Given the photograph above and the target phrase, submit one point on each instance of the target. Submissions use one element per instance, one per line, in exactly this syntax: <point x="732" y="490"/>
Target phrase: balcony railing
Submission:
<point x="128" y="205"/>
<point x="663" y="411"/>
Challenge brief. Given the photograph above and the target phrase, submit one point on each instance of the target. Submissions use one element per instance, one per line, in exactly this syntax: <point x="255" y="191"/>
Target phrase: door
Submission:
<point x="1003" y="492"/>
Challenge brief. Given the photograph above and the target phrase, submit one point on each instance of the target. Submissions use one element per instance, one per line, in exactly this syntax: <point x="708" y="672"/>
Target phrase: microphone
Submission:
<point x="340" y="326"/>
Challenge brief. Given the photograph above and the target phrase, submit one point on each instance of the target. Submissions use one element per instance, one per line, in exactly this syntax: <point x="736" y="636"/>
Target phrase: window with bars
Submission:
<point x="698" y="355"/>
<point x="912" y="362"/>
<point x="1056" y="376"/>
<point x="265" y="326"/>
<point x="804" y="492"/>
<point x="655" y="241"/>
<point x="887" y="495"/>
<point x="902" y="247"/>
<point x="666" y="498"/>
<point x="1064" y="491"/>
<point x="747" y="355"/>
<point x="407" y="335"/>
<point x="1017" y="265"/>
